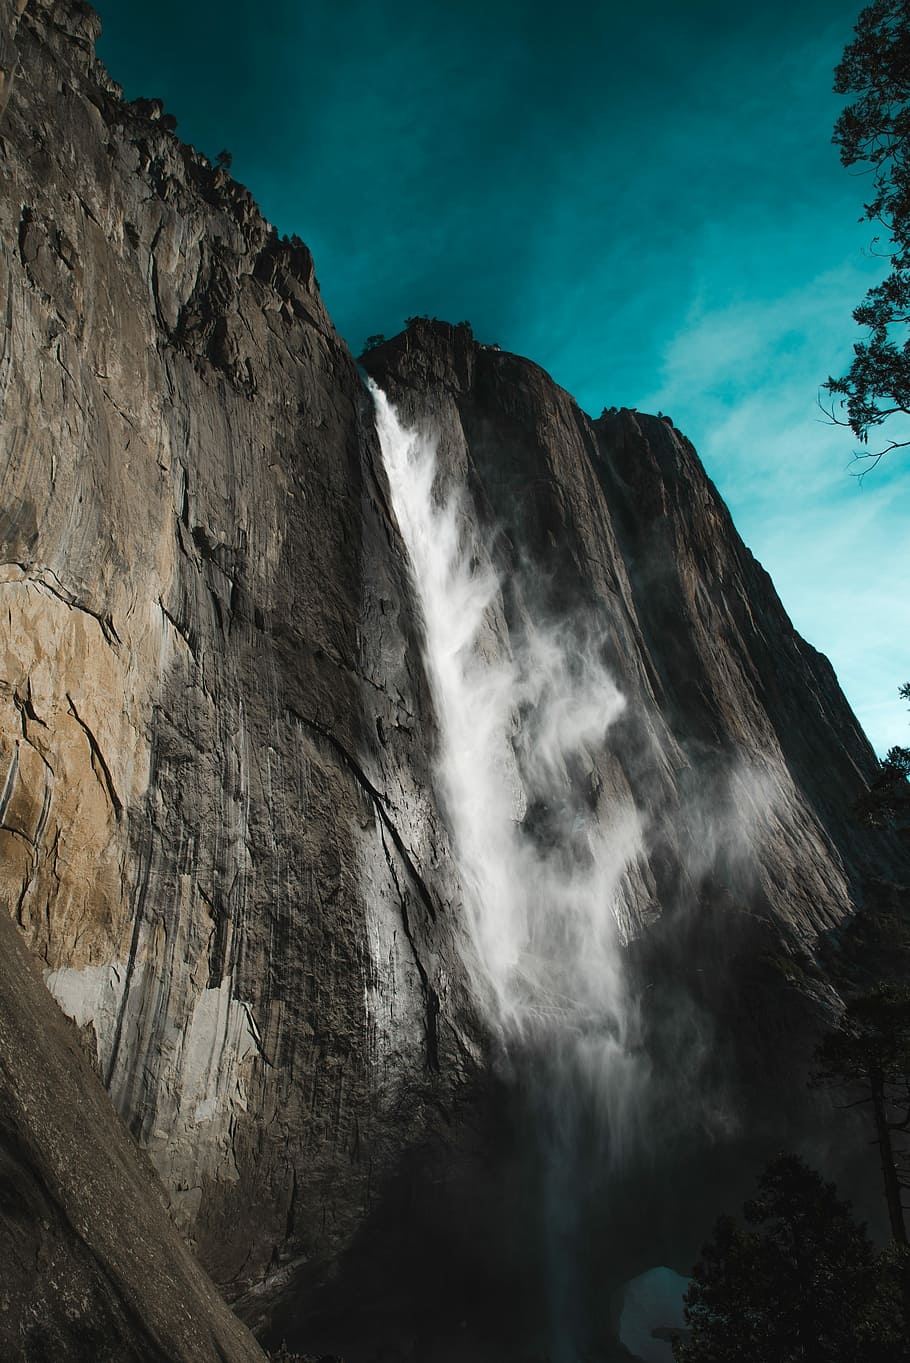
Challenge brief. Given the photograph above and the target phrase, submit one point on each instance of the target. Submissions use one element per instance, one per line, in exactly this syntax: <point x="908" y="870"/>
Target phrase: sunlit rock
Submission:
<point x="227" y="832"/>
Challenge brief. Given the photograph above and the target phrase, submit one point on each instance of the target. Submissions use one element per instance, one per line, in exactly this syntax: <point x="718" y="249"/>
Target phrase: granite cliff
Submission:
<point x="219" y="835"/>
<point x="226" y="875"/>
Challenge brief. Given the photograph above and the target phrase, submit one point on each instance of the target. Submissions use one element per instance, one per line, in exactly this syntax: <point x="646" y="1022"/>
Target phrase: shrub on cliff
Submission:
<point x="886" y="804"/>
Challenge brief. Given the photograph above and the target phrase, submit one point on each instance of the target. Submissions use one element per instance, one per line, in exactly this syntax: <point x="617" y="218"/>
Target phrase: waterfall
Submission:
<point x="523" y="715"/>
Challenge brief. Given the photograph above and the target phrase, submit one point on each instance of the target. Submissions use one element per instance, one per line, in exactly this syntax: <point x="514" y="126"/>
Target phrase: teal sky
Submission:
<point x="645" y="202"/>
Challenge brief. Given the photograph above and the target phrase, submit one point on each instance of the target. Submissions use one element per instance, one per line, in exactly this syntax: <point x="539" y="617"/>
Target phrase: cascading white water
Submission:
<point x="543" y="869"/>
<point x="515" y="720"/>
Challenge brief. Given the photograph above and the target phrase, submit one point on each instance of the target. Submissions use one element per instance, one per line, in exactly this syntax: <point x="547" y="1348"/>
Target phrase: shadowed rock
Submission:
<point x="93" y="1269"/>
<point x="218" y="831"/>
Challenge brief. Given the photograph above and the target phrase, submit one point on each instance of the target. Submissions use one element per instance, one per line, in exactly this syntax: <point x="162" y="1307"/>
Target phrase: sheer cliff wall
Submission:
<point x="736" y="749"/>
<point x="738" y="745"/>
<point x="92" y="1268"/>
<point x="218" y="833"/>
<point x="216" y="827"/>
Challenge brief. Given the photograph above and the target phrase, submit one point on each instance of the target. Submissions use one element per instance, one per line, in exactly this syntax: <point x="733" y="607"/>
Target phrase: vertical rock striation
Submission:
<point x="218" y="832"/>
<point x="737" y="751"/>
<point x="738" y="744"/>
<point x="93" y="1270"/>
<point x="216" y="828"/>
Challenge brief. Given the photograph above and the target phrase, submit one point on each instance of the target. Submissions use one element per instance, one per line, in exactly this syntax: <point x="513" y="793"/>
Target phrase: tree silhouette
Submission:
<point x="898" y="757"/>
<point x="886" y="804"/>
<point x="870" y="1053"/>
<point x="801" y="1286"/>
<point x="874" y="131"/>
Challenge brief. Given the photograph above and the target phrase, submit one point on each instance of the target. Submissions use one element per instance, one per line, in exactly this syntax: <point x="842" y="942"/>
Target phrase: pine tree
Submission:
<point x="869" y="1053"/>
<point x="801" y="1285"/>
<point x="874" y="132"/>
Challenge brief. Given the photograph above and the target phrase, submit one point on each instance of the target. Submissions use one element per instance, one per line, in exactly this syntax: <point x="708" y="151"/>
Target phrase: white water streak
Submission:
<point x="517" y="724"/>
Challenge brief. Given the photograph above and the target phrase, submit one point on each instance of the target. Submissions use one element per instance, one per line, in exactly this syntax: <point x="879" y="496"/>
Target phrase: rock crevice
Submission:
<point x="219" y="828"/>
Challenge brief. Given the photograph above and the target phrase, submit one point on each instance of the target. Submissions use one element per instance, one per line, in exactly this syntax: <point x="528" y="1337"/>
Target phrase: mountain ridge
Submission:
<point x="221" y="829"/>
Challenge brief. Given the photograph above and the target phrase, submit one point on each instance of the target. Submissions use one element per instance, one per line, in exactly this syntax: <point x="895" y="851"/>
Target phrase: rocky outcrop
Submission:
<point x="738" y="742"/>
<point x="218" y="832"/>
<point x="9" y="20"/>
<point x="736" y="749"/>
<point x="93" y="1270"/>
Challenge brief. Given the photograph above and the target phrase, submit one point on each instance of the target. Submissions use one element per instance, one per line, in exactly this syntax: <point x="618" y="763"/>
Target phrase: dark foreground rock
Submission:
<point x="92" y="1269"/>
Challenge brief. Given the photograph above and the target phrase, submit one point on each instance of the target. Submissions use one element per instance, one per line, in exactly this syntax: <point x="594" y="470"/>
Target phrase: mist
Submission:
<point x="522" y="716"/>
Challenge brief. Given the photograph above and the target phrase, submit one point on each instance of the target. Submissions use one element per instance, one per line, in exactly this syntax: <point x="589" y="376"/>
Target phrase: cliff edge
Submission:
<point x="220" y="833"/>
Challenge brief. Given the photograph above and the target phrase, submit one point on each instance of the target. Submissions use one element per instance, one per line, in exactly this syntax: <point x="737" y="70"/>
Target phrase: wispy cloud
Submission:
<point x="741" y="380"/>
<point x="643" y="199"/>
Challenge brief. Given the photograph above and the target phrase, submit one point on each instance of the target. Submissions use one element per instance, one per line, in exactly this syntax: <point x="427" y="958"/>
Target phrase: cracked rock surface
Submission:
<point x="735" y="728"/>
<point x="736" y="750"/>
<point x="92" y="1268"/>
<point x="218" y="833"/>
<point x="205" y="626"/>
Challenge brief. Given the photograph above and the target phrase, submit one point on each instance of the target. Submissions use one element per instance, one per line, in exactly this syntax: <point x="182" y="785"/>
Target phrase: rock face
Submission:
<point x="737" y="748"/>
<point x="223" y="869"/>
<point x="93" y="1269"/>
<point x="8" y="55"/>
<point x="733" y="716"/>
<point x="217" y="823"/>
